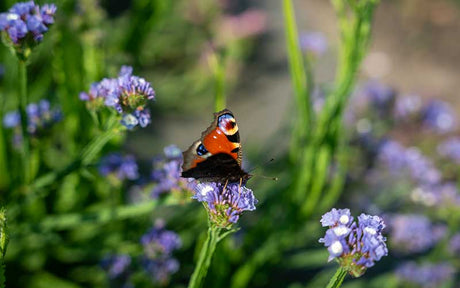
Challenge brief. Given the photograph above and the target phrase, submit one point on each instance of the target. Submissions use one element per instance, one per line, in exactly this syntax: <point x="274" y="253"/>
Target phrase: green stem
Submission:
<point x="2" y="274"/>
<point x="204" y="260"/>
<point x="299" y="80"/>
<point x="87" y="155"/>
<point x="22" y="103"/>
<point x="337" y="279"/>
<point x="218" y="68"/>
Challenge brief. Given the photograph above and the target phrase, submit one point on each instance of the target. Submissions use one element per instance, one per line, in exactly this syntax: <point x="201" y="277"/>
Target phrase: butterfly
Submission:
<point x="216" y="156"/>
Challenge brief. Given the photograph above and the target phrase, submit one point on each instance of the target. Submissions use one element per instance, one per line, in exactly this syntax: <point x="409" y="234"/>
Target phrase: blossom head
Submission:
<point x="313" y="42"/>
<point x="428" y="275"/>
<point x="166" y="173"/>
<point x="40" y="117"/>
<point x="127" y="94"/>
<point x="439" y="117"/>
<point x="118" y="166"/>
<point x="159" y="244"/>
<point x="24" y="25"/>
<point x="225" y="203"/>
<point x="116" y="266"/>
<point x="356" y="246"/>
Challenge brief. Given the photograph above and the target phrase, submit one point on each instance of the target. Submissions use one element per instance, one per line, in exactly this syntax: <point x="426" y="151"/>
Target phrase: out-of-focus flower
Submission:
<point x="225" y="203"/>
<point x="127" y="94"/>
<point x="408" y="106"/>
<point x="40" y="117"/>
<point x="159" y="244"/>
<point x="413" y="233"/>
<point x="454" y="244"/>
<point x="450" y="149"/>
<point x="24" y="25"/>
<point x="379" y="95"/>
<point x="443" y="194"/>
<point x="426" y="275"/>
<point x="116" y="266"/>
<point x="392" y="154"/>
<point x="167" y="173"/>
<point x="247" y="24"/>
<point x="439" y="117"/>
<point x="355" y="246"/>
<point x="313" y="42"/>
<point x="122" y="167"/>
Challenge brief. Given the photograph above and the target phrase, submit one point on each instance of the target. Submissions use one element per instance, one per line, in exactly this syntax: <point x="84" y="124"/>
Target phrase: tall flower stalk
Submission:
<point x="224" y="205"/>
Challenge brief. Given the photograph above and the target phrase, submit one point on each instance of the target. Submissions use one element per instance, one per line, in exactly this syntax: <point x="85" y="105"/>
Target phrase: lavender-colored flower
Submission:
<point x="122" y="167"/>
<point x="159" y="244"/>
<point x="439" y="116"/>
<point x="450" y="149"/>
<point x="421" y="168"/>
<point x="116" y="266"/>
<point x="355" y="246"/>
<point x="313" y="42"/>
<point x="413" y="233"/>
<point x="225" y="203"/>
<point x="26" y="23"/>
<point x="426" y="275"/>
<point x="379" y="95"/>
<point x="167" y="173"/>
<point x="127" y="94"/>
<point x="454" y="244"/>
<point x="393" y="155"/>
<point x="407" y="106"/>
<point x="40" y="117"/>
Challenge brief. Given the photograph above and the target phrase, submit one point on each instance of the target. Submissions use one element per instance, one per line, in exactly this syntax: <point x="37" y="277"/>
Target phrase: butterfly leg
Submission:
<point x="239" y="187"/>
<point x="225" y="186"/>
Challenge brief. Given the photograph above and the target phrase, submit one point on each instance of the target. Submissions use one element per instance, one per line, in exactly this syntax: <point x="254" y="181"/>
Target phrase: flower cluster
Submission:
<point x="413" y="233"/>
<point x="116" y="266"/>
<point x="122" y="167"/>
<point x="355" y="246"/>
<point x="25" y="23"/>
<point x="225" y="203"/>
<point x="439" y="117"/>
<point x="159" y="244"/>
<point x="166" y="173"/>
<point x="450" y="149"/>
<point x="313" y="42"/>
<point x="40" y="117"/>
<point x="127" y="94"/>
<point x="425" y="275"/>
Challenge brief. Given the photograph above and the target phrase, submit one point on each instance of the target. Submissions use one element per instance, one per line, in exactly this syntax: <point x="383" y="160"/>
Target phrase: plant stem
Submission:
<point x="218" y="68"/>
<point x="204" y="260"/>
<point x="22" y="103"/>
<point x="337" y="279"/>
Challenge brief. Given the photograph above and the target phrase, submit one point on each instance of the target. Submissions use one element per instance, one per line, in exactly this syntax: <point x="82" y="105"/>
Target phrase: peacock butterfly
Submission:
<point x="216" y="156"/>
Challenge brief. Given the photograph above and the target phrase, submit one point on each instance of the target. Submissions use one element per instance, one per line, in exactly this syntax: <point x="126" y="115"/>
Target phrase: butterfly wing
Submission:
<point x="202" y="159"/>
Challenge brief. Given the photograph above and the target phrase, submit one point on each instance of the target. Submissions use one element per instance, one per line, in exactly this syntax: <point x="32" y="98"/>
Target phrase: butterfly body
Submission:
<point x="216" y="156"/>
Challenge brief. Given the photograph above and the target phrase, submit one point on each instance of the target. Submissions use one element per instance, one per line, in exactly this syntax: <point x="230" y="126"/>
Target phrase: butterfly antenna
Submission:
<point x="263" y="176"/>
<point x="265" y="164"/>
<point x="266" y="177"/>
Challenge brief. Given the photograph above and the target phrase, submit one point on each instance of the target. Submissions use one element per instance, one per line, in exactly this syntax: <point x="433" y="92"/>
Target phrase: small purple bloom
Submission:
<point x="26" y="18"/>
<point x="393" y="155"/>
<point x="407" y="106"/>
<point x="355" y="246"/>
<point x="454" y="244"/>
<point x="225" y="203"/>
<point x="413" y="233"/>
<point x="127" y="94"/>
<point x="450" y="149"/>
<point x="123" y="167"/>
<point x="426" y="275"/>
<point x="439" y="116"/>
<point x="116" y="265"/>
<point x="313" y="42"/>
<point x="12" y="119"/>
<point x="379" y="95"/>
<point x="167" y="173"/>
<point x="159" y="244"/>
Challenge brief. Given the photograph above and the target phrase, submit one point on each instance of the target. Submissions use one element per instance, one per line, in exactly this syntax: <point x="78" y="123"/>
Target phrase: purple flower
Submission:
<point x="127" y="94"/>
<point x="159" y="244"/>
<point x="225" y="203"/>
<point x="25" y="24"/>
<point x="313" y="42"/>
<point x="123" y="167"/>
<point x="413" y="233"/>
<point x="116" y="266"/>
<point x="393" y="155"/>
<point x="39" y="118"/>
<point x="167" y="173"/>
<point x="407" y="106"/>
<point x="439" y="116"/>
<point x="450" y="149"/>
<point x="355" y="246"/>
<point x="454" y="244"/>
<point x="379" y="95"/>
<point x="426" y="275"/>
